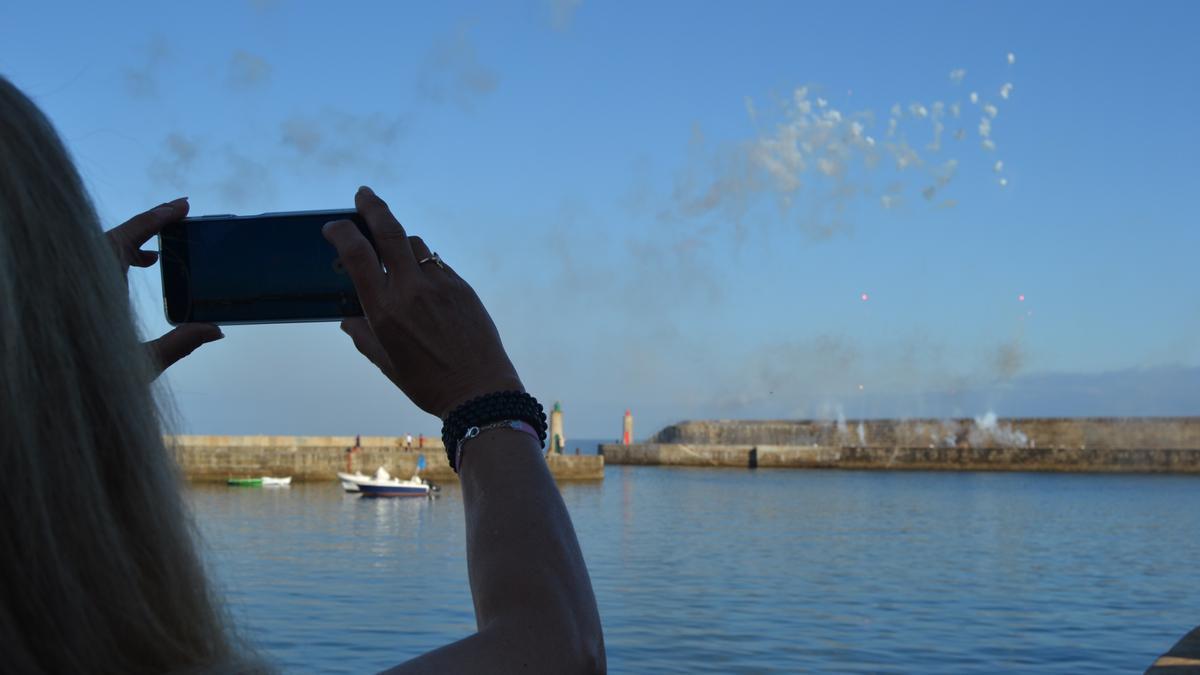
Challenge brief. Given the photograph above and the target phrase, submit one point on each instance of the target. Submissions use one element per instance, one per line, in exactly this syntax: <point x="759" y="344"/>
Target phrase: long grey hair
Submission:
<point x="98" y="568"/>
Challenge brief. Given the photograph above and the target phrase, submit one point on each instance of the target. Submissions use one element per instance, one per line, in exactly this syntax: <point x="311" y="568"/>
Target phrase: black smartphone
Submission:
<point x="269" y="268"/>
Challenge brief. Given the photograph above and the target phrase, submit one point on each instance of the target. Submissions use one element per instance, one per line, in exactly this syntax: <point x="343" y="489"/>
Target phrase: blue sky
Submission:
<point x="677" y="207"/>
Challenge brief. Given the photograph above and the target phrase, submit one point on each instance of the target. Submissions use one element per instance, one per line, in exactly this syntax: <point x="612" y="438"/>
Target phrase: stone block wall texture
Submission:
<point x="1103" y="433"/>
<point x="320" y="458"/>
<point x="1095" y="460"/>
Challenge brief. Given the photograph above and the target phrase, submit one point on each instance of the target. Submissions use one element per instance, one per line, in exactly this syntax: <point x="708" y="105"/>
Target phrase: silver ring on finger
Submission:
<point x="435" y="259"/>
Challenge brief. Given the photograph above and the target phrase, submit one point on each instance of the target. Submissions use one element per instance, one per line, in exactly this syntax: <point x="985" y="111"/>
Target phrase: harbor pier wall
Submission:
<point x="320" y="458"/>
<point x="898" y="459"/>
<point x="1059" y="432"/>
<point x="1112" y="445"/>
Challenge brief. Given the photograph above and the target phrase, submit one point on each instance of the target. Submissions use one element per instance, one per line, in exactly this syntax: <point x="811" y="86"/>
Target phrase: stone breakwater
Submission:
<point x="1115" y="433"/>
<point x="320" y="458"/>
<point x="1116" y="445"/>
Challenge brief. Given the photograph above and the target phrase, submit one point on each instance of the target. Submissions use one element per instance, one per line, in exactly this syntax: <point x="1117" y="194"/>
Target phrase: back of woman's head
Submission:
<point x="97" y="566"/>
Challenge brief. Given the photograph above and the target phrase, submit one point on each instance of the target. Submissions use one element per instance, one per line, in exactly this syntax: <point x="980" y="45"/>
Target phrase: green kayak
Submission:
<point x="244" y="482"/>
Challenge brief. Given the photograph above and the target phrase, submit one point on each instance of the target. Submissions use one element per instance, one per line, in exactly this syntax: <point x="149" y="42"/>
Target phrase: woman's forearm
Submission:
<point x="534" y="605"/>
<point x="527" y="573"/>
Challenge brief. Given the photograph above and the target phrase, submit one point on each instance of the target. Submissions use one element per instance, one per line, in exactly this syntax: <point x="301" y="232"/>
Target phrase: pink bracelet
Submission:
<point x="515" y="425"/>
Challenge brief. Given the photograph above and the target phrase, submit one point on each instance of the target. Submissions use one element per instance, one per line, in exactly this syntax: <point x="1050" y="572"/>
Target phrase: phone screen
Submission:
<point x="256" y="269"/>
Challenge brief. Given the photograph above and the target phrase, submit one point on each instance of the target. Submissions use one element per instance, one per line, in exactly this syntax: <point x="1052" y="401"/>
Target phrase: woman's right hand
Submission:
<point x="425" y="327"/>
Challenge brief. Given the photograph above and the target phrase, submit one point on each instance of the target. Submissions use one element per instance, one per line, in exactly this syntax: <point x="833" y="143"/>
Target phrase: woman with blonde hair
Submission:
<point x="98" y="567"/>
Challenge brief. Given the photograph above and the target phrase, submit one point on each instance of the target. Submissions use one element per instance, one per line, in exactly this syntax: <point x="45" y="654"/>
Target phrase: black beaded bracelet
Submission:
<point x="489" y="408"/>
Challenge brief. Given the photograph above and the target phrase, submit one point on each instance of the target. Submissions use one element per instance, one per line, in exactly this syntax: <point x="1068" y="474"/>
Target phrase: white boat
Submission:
<point x="268" y="481"/>
<point x="413" y="487"/>
<point x="382" y="484"/>
<point x="350" y="481"/>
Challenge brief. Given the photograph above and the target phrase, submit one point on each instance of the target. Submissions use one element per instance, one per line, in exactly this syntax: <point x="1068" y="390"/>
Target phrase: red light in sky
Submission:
<point x="1021" y="297"/>
<point x="864" y="297"/>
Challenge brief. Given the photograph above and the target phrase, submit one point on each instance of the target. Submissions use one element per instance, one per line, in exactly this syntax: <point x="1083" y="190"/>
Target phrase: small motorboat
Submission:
<point x="414" y="487"/>
<point x="350" y="481"/>
<point x="262" y="481"/>
<point x="383" y="485"/>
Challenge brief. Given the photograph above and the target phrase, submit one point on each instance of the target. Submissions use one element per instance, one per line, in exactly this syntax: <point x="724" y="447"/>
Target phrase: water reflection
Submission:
<point x="393" y="520"/>
<point x="700" y="570"/>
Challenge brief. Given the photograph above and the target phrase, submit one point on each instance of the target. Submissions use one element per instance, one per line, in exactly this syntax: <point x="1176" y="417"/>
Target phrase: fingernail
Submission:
<point x="366" y="190"/>
<point x="178" y="202"/>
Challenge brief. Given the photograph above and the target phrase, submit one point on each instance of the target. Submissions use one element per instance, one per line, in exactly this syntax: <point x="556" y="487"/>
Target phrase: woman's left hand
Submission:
<point x="127" y="240"/>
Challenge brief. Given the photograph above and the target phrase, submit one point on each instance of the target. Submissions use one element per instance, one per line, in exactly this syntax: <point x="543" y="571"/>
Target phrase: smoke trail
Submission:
<point x="1009" y="359"/>
<point x="141" y="81"/>
<point x="562" y="12"/>
<point x="452" y="73"/>
<point x="793" y="373"/>
<point x="245" y="180"/>
<point x="247" y="71"/>
<point x="989" y="433"/>
<point x="336" y="139"/>
<point x="329" y="141"/>
<point x="174" y="166"/>
<point x="815" y="160"/>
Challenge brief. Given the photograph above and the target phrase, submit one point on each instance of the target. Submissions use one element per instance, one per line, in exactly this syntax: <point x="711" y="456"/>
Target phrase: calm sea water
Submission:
<point x="733" y="571"/>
